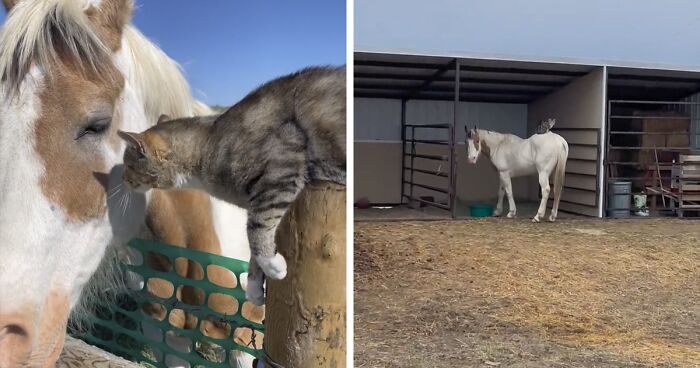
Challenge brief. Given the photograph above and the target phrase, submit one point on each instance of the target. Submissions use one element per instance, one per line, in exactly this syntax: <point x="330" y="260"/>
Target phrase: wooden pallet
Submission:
<point x="688" y="196"/>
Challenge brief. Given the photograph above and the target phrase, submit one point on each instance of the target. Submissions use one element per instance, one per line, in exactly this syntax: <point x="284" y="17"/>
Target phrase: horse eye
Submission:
<point x="96" y="127"/>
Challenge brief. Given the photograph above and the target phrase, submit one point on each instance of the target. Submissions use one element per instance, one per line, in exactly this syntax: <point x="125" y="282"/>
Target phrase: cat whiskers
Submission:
<point x="112" y="192"/>
<point x="126" y="199"/>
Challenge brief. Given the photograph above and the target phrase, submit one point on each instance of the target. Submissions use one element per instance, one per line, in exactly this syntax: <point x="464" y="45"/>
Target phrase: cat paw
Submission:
<point x="275" y="267"/>
<point x="255" y="291"/>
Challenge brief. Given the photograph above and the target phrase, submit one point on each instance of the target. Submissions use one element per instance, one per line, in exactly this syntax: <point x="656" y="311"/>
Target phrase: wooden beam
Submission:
<point x="306" y="311"/>
<point x="76" y="353"/>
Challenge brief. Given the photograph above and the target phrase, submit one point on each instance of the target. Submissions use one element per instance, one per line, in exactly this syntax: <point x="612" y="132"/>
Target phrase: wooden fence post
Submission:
<point x="305" y="323"/>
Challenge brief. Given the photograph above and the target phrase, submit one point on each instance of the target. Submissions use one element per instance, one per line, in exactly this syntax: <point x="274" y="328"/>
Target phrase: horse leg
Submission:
<point x="544" y="185"/>
<point x="508" y="188"/>
<point x="499" y="206"/>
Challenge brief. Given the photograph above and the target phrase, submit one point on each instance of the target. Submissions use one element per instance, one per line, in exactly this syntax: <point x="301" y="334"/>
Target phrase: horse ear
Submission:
<point x="134" y="140"/>
<point x="110" y="18"/>
<point x="9" y="4"/>
<point x="163" y="118"/>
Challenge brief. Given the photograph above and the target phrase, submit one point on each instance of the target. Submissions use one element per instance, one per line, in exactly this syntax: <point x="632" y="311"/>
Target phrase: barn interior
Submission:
<point x="409" y="137"/>
<point x="653" y="120"/>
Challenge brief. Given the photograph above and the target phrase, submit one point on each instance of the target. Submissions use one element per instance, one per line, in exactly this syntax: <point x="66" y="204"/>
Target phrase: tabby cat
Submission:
<point x="258" y="155"/>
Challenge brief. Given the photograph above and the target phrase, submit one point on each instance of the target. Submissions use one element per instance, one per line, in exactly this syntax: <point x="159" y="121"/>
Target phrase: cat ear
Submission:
<point x="134" y="140"/>
<point x="163" y="118"/>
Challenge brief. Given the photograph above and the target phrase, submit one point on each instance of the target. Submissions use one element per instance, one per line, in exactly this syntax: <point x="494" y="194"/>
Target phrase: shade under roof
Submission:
<point x="399" y="76"/>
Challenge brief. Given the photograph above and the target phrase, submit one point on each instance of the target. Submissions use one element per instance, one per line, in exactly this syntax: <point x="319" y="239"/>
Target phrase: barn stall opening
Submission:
<point x="652" y="130"/>
<point x="410" y="113"/>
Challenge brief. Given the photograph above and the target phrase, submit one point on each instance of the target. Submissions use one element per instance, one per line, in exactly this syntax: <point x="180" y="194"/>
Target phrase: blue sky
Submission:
<point x="654" y="32"/>
<point x="228" y="47"/>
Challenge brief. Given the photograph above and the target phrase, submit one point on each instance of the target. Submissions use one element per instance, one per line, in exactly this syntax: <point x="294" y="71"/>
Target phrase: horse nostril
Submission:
<point x="15" y="345"/>
<point x="13" y="330"/>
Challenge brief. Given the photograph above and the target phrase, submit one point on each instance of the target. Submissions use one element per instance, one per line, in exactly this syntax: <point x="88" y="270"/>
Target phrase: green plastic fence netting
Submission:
<point x="125" y="329"/>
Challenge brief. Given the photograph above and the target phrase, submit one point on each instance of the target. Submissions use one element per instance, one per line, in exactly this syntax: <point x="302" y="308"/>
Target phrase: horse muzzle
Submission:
<point x="29" y="338"/>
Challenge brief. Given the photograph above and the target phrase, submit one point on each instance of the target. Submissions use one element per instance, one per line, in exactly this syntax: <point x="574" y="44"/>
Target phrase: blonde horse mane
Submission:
<point x="29" y="37"/>
<point x="35" y="30"/>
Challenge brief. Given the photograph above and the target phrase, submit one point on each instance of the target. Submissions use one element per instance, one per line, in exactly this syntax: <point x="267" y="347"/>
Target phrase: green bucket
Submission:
<point x="120" y="328"/>
<point x="480" y="210"/>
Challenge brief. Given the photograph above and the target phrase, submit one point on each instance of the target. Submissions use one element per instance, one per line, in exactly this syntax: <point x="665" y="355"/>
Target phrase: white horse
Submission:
<point x="514" y="156"/>
<point x="73" y="72"/>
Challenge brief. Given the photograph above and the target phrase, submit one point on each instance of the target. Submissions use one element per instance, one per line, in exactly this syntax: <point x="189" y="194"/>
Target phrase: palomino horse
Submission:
<point x="513" y="156"/>
<point x="73" y="72"/>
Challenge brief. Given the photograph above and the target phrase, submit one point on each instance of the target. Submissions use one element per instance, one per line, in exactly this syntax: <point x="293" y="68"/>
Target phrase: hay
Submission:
<point x="510" y="293"/>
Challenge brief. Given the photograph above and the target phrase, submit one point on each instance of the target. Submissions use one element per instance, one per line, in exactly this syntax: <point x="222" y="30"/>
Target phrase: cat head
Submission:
<point x="148" y="160"/>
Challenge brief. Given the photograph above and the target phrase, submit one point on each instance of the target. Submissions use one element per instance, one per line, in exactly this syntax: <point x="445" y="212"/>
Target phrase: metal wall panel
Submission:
<point x="579" y="109"/>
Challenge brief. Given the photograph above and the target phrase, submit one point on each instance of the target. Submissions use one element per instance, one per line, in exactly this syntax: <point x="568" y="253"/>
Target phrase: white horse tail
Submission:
<point x="559" y="173"/>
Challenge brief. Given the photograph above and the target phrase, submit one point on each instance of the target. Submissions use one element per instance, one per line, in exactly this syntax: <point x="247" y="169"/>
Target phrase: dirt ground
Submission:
<point x="510" y="293"/>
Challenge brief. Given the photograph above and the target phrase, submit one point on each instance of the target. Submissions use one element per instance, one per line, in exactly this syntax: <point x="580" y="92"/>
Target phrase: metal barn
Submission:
<point x="411" y="110"/>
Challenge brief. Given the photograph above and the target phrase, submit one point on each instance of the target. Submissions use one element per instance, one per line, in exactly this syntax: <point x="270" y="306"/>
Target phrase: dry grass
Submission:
<point x="578" y="293"/>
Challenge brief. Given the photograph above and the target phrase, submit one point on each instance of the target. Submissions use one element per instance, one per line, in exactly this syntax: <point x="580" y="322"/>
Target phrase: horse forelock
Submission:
<point x="46" y="34"/>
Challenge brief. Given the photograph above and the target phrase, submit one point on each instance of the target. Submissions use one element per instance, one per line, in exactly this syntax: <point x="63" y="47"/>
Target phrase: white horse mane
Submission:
<point x="159" y="80"/>
<point x="500" y="138"/>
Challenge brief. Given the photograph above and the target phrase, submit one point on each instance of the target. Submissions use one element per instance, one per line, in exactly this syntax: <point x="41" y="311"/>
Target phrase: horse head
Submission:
<point x="473" y="144"/>
<point x="68" y="82"/>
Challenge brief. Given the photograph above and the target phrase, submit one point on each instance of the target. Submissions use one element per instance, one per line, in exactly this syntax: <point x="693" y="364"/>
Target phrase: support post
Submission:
<point x="453" y="145"/>
<point x="403" y="150"/>
<point x="305" y="325"/>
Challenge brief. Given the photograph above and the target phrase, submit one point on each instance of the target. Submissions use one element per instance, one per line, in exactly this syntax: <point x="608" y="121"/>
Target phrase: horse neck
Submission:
<point x="494" y="140"/>
<point x="490" y="141"/>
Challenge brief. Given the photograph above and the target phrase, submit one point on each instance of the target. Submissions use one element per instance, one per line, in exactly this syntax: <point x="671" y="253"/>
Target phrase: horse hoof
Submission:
<point x="552" y="219"/>
<point x="496" y="214"/>
<point x="510" y="215"/>
<point x="536" y="219"/>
